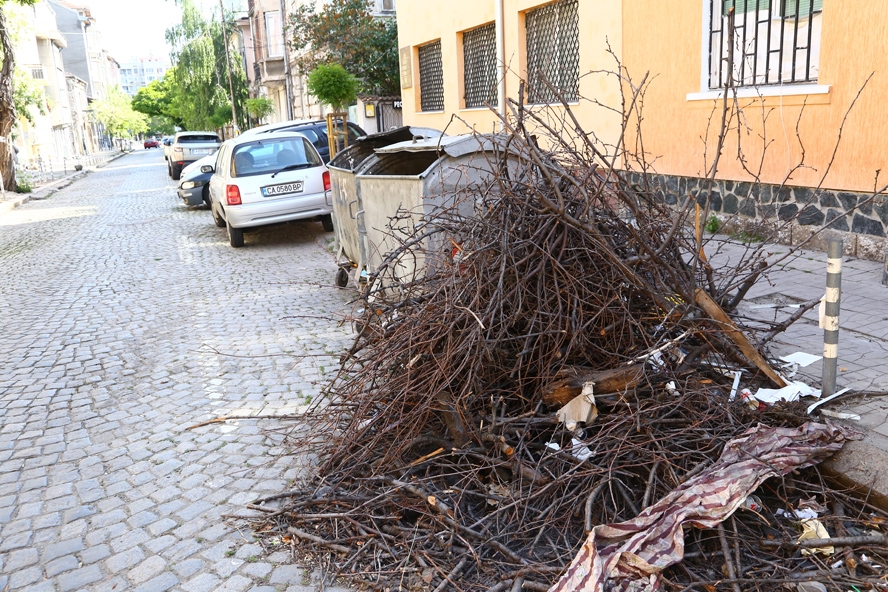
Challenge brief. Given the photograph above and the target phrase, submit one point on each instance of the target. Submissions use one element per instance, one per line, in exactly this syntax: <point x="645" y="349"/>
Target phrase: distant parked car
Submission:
<point x="188" y="147"/>
<point x="266" y="179"/>
<point x="313" y="129"/>
<point x="151" y="143"/>
<point x="194" y="187"/>
<point x="166" y="143"/>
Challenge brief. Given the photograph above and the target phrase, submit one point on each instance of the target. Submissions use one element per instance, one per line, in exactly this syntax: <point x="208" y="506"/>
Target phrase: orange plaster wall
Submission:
<point x="667" y="44"/>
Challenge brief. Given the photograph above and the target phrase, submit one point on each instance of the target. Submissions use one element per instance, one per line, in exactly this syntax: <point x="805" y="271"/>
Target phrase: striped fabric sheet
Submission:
<point x="630" y="555"/>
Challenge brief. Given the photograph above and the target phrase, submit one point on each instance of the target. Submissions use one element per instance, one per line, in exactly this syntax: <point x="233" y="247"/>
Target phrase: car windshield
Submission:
<point x="200" y="138"/>
<point x="270" y="156"/>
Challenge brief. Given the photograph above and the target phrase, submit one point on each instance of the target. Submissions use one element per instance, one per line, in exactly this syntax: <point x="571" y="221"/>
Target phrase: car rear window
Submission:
<point x="200" y="138"/>
<point x="269" y="156"/>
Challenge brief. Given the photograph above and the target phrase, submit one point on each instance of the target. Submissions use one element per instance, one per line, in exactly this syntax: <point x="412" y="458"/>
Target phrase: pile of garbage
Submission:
<point x="554" y="401"/>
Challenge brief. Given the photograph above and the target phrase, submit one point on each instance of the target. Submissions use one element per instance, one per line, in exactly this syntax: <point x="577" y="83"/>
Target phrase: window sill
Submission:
<point x="429" y="112"/>
<point x="476" y="108"/>
<point x="753" y="92"/>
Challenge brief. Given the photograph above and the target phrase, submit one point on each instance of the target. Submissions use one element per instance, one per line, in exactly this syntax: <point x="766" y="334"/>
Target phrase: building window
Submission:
<point x="553" y="51"/>
<point x="37" y="73"/>
<point x="479" y="66"/>
<point x="388" y="4"/>
<point x="274" y="33"/>
<point x="774" y="41"/>
<point x="431" y="77"/>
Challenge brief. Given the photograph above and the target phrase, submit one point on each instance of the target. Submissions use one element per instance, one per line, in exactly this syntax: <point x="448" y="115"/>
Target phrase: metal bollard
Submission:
<point x="831" y="320"/>
<point x="885" y="270"/>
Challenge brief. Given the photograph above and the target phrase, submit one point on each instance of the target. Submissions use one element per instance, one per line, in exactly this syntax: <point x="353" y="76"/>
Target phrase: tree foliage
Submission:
<point x="344" y="32"/>
<point x="156" y="101"/>
<point x="260" y="107"/>
<point x="116" y="113"/>
<point x="332" y="85"/>
<point x="7" y="97"/>
<point x="198" y="81"/>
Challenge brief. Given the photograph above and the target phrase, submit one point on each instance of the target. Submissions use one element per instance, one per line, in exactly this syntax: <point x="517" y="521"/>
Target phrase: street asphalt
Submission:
<point x="126" y="318"/>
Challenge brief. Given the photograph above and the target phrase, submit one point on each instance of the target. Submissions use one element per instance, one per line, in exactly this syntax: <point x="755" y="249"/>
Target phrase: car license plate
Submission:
<point x="202" y="151"/>
<point x="282" y="189"/>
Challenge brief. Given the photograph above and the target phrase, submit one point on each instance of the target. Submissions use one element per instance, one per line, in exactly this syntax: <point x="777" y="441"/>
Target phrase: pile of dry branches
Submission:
<point x="442" y="461"/>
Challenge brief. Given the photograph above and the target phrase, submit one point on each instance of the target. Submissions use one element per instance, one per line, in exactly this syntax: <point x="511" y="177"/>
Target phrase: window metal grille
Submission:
<point x="37" y="73"/>
<point x="553" y="51"/>
<point x="431" y="77"/>
<point x="774" y="42"/>
<point x="479" y="66"/>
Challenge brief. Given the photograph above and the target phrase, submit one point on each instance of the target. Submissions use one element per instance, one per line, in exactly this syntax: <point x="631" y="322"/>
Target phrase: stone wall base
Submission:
<point x="794" y="216"/>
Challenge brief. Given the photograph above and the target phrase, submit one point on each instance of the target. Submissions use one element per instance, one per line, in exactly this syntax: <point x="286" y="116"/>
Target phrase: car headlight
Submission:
<point x="191" y="184"/>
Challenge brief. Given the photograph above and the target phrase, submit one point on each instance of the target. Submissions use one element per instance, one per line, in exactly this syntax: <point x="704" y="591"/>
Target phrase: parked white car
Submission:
<point x="188" y="147"/>
<point x="268" y="179"/>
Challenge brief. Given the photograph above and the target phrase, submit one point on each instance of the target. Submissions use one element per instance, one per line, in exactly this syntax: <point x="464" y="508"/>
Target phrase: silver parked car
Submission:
<point x="267" y="179"/>
<point x="188" y="147"/>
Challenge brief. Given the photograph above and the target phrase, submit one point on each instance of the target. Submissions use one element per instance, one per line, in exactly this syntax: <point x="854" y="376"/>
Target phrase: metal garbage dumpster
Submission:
<point x="347" y="203"/>
<point x="413" y="179"/>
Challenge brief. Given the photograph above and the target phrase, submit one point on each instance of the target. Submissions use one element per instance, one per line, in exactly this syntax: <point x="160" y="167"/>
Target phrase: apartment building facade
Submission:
<point x="138" y="73"/>
<point x="795" y="73"/>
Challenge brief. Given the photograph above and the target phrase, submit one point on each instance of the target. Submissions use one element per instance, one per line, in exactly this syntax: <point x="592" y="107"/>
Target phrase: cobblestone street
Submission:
<point x="126" y="317"/>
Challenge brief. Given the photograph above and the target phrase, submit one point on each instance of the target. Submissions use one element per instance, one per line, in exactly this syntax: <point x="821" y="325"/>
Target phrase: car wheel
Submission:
<point x="342" y="277"/>
<point x="327" y="221"/>
<point x="177" y="173"/>
<point x="235" y="236"/>
<point x="169" y="169"/>
<point x="206" y="196"/>
<point x="219" y="220"/>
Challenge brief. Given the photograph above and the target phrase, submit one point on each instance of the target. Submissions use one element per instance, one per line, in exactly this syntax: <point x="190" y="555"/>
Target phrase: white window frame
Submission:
<point x="744" y="92"/>
<point x="274" y="34"/>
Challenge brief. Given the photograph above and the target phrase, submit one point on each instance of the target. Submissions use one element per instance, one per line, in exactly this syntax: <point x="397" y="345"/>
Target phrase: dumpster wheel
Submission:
<point x="342" y="277"/>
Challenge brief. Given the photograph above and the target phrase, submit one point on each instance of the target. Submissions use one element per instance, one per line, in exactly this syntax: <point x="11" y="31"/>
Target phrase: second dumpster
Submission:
<point x="411" y="180"/>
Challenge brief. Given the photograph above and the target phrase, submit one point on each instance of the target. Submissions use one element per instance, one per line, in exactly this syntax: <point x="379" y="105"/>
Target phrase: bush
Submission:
<point x="332" y="85"/>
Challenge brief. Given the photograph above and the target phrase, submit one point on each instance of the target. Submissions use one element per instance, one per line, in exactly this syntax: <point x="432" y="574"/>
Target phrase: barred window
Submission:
<point x="37" y="73"/>
<point x="774" y="42"/>
<point x="479" y="66"/>
<point x="431" y="77"/>
<point x="553" y="51"/>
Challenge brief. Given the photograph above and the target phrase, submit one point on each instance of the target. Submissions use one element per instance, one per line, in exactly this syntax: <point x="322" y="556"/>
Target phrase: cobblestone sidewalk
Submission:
<point x="126" y="317"/>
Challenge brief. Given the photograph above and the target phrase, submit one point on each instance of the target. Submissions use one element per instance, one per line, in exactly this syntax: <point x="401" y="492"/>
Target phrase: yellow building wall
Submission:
<point x="854" y="44"/>
<point x="424" y="21"/>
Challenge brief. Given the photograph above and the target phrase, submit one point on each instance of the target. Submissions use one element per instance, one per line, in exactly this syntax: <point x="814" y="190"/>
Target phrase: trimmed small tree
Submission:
<point x="332" y="85"/>
<point x="259" y="108"/>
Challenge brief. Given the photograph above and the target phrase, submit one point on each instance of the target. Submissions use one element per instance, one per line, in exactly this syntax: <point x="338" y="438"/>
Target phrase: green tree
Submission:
<point x="344" y="32"/>
<point x="199" y="77"/>
<point x="7" y="96"/>
<point x="259" y="108"/>
<point x="160" y="126"/>
<point x="332" y="85"/>
<point x="156" y="101"/>
<point x="116" y="113"/>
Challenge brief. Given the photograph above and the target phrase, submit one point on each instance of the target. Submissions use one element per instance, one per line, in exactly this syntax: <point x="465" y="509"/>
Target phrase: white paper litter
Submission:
<point x="814" y="406"/>
<point x="803" y="514"/>
<point x="791" y="392"/>
<point x="840" y="414"/>
<point x="579" y="450"/>
<point x="736" y="385"/>
<point x="803" y="359"/>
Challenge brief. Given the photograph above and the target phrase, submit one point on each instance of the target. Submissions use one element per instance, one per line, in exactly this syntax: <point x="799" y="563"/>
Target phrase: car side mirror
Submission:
<point x="207" y="168"/>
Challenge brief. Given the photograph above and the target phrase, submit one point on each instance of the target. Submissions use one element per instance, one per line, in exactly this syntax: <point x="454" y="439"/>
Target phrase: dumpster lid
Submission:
<point x="451" y="145"/>
<point x="363" y="147"/>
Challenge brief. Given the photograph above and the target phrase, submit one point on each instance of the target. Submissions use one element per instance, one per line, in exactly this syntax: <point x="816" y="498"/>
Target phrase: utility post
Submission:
<point x="225" y="41"/>
<point x="287" y="83"/>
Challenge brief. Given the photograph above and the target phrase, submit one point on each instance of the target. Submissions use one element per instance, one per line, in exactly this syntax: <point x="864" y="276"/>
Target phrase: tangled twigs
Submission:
<point x="442" y="463"/>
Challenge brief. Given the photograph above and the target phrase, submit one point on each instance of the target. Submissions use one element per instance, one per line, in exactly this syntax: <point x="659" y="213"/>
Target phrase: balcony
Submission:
<point x="271" y="69"/>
